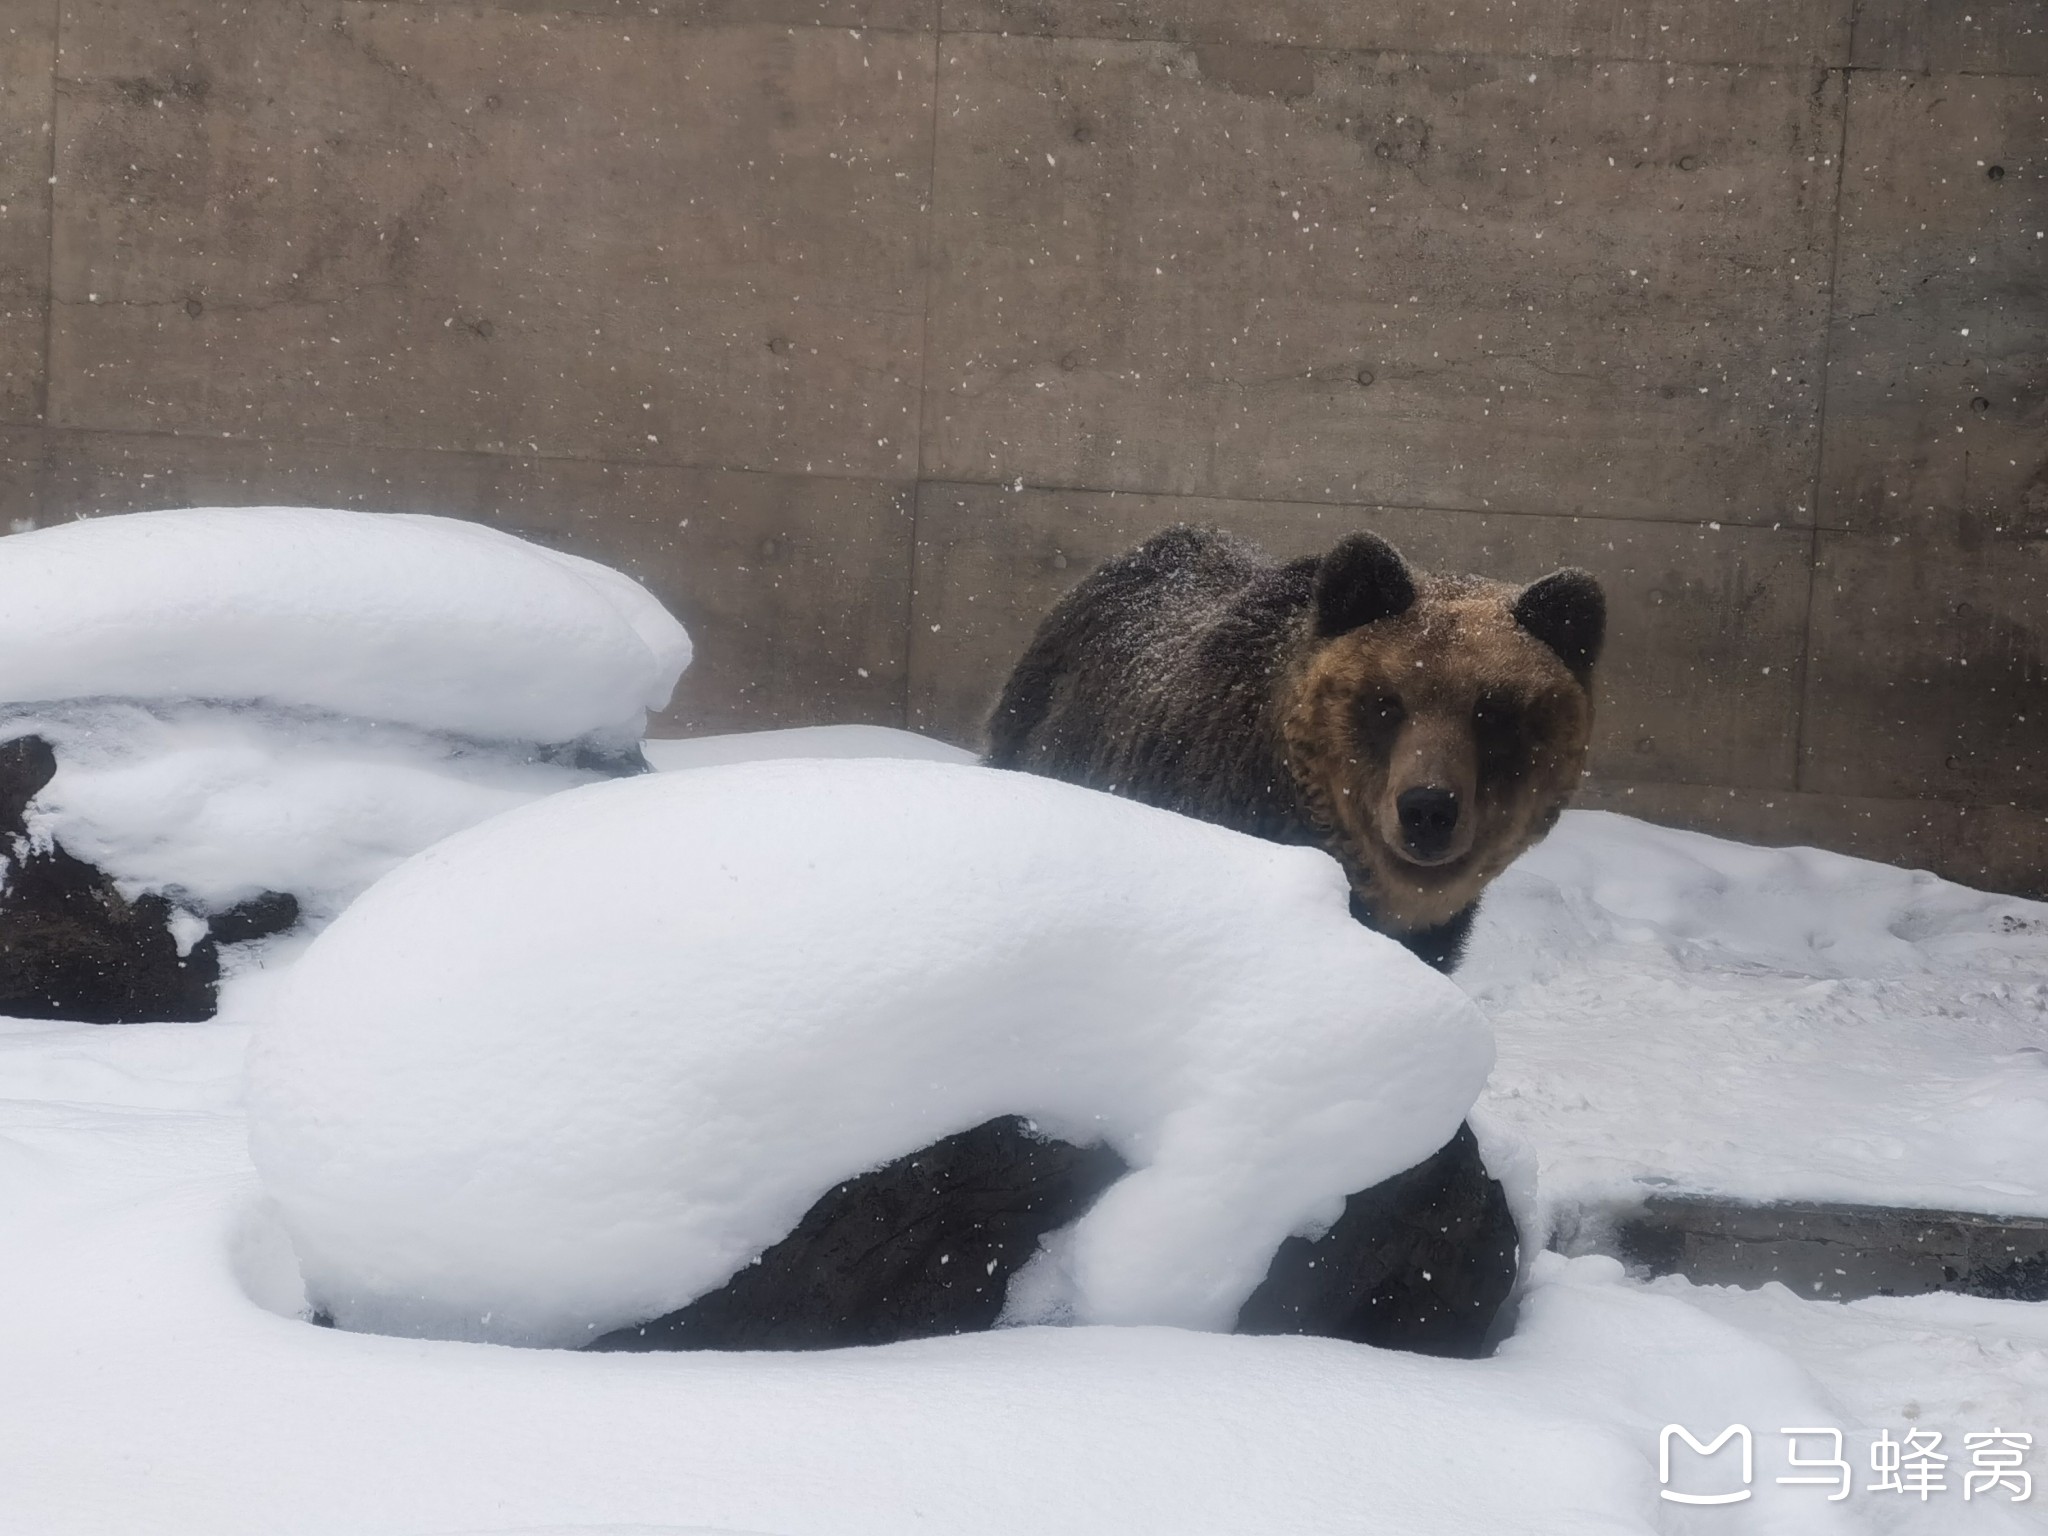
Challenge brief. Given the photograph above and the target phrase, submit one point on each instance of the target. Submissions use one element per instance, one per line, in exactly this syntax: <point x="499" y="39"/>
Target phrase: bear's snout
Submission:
<point x="1429" y="824"/>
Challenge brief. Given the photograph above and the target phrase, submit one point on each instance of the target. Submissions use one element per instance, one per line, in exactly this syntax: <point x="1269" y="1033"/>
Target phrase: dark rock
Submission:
<point x="1826" y="1250"/>
<point x="1421" y="1262"/>
<point x="2021" y="1279"/>
<point x="27" y="763"/>
<point x="922" y="1246"/>
<point x="928" y="1245"/>
<point x="614" y="762"/>
<point x="257" y="918"/>
<point x="71" y="946"/>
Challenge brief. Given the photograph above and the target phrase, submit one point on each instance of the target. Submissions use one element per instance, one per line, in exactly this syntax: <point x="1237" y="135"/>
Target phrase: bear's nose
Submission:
<point x="1429" y="818"/>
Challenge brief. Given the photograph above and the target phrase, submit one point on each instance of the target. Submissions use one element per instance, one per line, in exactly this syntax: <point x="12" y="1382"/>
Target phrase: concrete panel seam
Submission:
<point x="655" y="18"/>
<point x="940" y="481"/>
<point x="1753" y="795"/>
<point x="924" y="361"/>
<point x="1406" y="53"/>
<point x="1820" y="429"/>
<point x="1945" y="74"/>
<point x="50" y="232"/>
<point x="498" y="455"/>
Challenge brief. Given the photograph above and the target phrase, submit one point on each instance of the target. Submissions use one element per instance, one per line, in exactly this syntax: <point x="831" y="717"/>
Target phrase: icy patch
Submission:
<point x="421" y="621"/>
<point x="1677" y="1012"/>
<point x="570" y="1070"/>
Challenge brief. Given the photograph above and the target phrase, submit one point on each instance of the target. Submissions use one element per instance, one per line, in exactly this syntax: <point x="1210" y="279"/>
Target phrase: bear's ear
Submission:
<point x="1567" y="611"/>
<point x="1361" y="580"/>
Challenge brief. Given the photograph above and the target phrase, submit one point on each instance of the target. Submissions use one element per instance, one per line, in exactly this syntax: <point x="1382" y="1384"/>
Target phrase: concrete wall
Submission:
<point x="859" y="328"/>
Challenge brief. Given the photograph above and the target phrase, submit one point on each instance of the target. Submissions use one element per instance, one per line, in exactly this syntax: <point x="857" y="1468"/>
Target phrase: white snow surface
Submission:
<point x="158" y="1382"/>
<point x="396" y="617"/>
<point x="139" y="1310"/>
<point x="1679" y="1012"/>
<point x="214" y="804"/>
<point x="573" y="1068"/>
<point x="800" y="741"/>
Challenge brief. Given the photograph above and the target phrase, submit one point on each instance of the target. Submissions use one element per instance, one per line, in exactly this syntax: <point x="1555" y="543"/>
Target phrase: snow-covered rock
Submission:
<point x="570" y="1069"/>
<point x="74" y="946"/>
<point x="215" y="805"/>
<point x="421" y="621"/>
<point x="291" y="699"/>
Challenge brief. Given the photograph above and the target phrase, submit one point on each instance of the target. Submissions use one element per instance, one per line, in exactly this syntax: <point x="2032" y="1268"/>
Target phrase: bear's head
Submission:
<point x="1438" y="724"/>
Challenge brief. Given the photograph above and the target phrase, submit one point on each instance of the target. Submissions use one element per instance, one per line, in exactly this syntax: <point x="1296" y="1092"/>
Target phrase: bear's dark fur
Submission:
<point x="1423" y="728"/>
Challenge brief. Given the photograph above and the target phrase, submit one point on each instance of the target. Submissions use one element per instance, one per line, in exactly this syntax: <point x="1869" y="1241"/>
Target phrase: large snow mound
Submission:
<point x="573" y="1068"/>
<point x="421" y="621"/>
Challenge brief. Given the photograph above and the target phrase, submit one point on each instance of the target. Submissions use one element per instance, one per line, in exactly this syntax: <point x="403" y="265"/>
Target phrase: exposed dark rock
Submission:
<point x="1421" y="1262"/>
<point x="257" y="918"/>
<point x="2020" y="1279"/>
<point x="928" y="1244"/>
<point x="925" y="1245"/>
<point x="1824" y="1249"/>
<point x="27" y="763"/>
<point x="73" y="947"/>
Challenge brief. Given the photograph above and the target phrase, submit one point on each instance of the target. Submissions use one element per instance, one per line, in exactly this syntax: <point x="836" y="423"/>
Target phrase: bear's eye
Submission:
<point x="1499" y="730"/>
<point x="1379" y="721"/>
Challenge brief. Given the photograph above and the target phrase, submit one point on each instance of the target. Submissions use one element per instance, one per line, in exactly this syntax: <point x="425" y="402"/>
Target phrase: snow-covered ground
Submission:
<point x="1668" y="1008"/>
<point x="1679" y="1012"/>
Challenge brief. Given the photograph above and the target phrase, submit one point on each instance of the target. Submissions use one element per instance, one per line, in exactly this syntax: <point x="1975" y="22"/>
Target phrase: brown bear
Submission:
<point x="1423" y="728"/>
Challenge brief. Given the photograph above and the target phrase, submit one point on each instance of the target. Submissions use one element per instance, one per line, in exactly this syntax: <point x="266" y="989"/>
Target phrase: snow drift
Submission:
<point x="1679" y="1013"/>
<point x="420" y="621"/>
<point x="571" y="1069"/>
